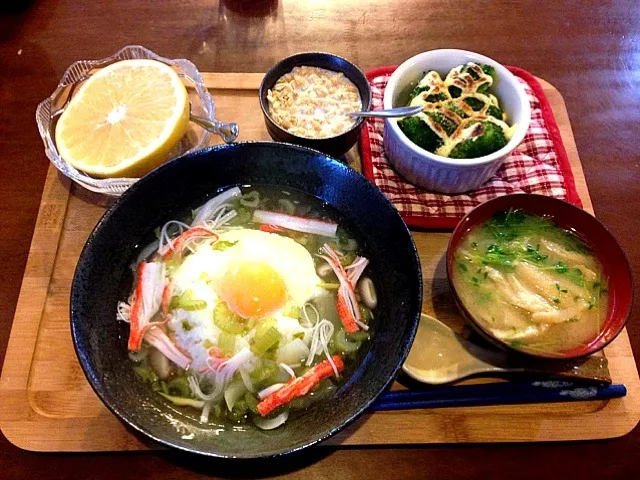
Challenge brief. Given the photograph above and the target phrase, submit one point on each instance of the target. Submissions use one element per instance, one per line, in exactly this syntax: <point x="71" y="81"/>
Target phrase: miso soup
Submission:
<point x="531" y="283"/>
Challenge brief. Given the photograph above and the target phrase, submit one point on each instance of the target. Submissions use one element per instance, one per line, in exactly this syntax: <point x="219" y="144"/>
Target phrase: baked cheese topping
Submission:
<point x="435" y="98"/>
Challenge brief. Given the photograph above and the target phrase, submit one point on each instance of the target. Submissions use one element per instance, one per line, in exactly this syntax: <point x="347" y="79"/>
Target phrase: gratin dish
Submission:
<point x="103" y="275"/>
<point x="49" y="110"/>
<point x="434" y="172"/>
<point x="336" y="145"/>
<point x="615" y="267"/>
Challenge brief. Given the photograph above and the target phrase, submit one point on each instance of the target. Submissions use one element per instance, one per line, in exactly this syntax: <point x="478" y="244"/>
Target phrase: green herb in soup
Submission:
<point x="246" y="309"/>
<point x="460" y="117"/>
<point x="531" y="283"/>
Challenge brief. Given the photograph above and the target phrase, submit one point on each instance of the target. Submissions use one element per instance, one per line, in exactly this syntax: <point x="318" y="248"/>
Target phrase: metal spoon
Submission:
<point x="439" y="355"/>
<point x="227" y="131"/>
<point x="390" y="113"/>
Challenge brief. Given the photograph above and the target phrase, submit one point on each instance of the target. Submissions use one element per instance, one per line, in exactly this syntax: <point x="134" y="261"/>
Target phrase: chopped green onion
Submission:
<point x="146" y="374"/>
<point x="179" y="387"/>
<point x="183" y="402"/>
<point x="223" y="245"/>
<point x="265" y="373"/>
<point x="252" y="402"/>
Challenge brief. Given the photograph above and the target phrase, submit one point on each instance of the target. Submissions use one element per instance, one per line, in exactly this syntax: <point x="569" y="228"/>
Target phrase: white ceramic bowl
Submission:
<point x="434" y="172"/>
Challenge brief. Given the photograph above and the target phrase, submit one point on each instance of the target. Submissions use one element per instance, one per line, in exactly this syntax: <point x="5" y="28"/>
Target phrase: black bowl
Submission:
<point x="338" y="145"/>
<point x="103" y="277"/>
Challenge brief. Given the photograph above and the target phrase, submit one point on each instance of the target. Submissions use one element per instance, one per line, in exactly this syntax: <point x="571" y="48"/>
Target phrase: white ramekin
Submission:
<point x="434" y="172"/>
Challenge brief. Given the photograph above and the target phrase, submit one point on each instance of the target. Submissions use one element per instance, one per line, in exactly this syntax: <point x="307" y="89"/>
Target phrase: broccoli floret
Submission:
<point x="470" y="71"/>
<point x="454" y="91"/>
<point x="489" y="70"/>
<point x="488" y="138"/>
<point x="456" y="109"/>
<point x="424" y="88"/>
<point x="446" y="123"/>
<point x="420" y="133"/>
<point x="475" y="103"/>
<point x="436" y="97"/>
<point x="484" y="88"/>
<point x="495" y="112"/>
<point x="418" y="90"/>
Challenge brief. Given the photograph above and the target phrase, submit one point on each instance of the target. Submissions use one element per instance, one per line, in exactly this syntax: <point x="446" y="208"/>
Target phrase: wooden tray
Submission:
<point x="47" y="405"/>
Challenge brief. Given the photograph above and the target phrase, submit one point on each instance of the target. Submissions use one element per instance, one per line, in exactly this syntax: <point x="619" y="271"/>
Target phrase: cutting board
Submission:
<point x="47" y="404"/>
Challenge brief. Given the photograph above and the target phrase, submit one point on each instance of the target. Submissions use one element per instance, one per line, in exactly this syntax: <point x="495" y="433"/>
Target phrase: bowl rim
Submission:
<point x="128" y="421"/>
<point x="264" y="107"/>
<point x="79" y="71"/>
<point x="423" y="154"/>
<point x="462" y="229"/>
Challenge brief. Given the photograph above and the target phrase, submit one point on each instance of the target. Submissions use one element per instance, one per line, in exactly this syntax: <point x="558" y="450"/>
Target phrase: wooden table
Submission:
<point x="590" y="50"/>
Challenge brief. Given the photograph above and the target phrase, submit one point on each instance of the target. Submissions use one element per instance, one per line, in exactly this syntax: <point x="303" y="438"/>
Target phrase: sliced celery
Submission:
<point x="360" y="336"/>
<point x="292" y="312"/>
<point x="227" y="321"/>
<point x="227" y="343"/>
<point x="267" y="336"/>
<point x="187" y="301"/>
<point x="342" y="344"/>
<point x="366" y="314"/>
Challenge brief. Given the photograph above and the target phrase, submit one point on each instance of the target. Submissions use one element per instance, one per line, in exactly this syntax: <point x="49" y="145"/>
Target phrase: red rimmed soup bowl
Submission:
<point x="600" y="244"/>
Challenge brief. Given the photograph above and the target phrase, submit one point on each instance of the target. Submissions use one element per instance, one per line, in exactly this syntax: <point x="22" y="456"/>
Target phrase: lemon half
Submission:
<point x="124" y="120"/>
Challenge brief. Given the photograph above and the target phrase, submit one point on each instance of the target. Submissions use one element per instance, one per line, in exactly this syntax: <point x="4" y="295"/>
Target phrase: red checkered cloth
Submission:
<point x="539" y="165"/>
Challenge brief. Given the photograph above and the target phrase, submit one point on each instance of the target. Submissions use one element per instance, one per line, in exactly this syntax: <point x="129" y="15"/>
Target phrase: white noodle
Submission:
<point x="204" y="417"/>
<point x="226" y="218"/>
<point x="165" y="240"/>
<point x="205" y="212"/>
<point x="124" y="311"/>
<point x="194" y="385"/>
<point x="310" y="324"/>
<point x="322" y="333"/>
<point x="288" y="369"/>
<point x="262" y="394"/>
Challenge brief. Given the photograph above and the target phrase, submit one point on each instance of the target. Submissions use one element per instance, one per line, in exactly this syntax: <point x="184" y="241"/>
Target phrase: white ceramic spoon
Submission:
<point x="439" y="355"/>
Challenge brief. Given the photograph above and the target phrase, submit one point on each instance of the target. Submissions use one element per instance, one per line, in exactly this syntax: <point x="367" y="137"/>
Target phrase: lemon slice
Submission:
<point x="124" y="120"/>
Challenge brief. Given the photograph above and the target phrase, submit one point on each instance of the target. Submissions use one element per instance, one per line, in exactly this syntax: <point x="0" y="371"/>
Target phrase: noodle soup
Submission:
<point x="252" y="305"/>
<point x="530" y="283"/>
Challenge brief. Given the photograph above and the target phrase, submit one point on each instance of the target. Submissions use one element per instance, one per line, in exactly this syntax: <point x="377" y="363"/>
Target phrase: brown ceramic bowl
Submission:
<point x="609" y="253"/>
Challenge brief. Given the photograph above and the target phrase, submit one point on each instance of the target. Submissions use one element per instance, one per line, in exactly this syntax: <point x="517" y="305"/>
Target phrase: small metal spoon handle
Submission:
<point x="227" y="131"/>
<point x="390" y="113"/>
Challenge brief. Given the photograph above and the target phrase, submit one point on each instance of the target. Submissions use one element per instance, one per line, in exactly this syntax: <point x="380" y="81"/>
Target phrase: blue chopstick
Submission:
<point x="504" y="393"/>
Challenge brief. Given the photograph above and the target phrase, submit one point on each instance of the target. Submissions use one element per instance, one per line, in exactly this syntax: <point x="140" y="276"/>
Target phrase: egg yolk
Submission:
<point x="253" y="290"/>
